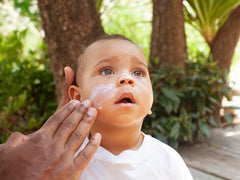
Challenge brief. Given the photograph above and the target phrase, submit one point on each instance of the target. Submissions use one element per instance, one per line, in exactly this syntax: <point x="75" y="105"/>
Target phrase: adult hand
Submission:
<point x="46" y="154"/>
<point x="50" y="152"/>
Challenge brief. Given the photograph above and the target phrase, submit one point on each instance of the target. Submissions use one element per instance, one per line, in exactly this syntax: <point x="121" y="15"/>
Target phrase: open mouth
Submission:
<point x="126" y="98"/>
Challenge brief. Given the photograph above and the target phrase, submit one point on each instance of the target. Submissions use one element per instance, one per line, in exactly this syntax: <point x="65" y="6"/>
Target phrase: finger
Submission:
<point x="70" y="123"/>
<point x="58" y="117"/>
<point x="83" y="158"/>
<point x="16" y="139"/>
<point x="77" y="137"/>
<point x="69" y="78"/>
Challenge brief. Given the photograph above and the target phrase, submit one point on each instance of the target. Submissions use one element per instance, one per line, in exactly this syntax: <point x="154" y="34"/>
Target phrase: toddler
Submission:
<point x="112" y="72"/>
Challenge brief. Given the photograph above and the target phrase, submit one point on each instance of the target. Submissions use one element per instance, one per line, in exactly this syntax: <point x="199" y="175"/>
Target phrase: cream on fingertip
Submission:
<point x="91" y="112"/>
<point x="86" y="103"/>
<point x="75" y="102"/>
<point x="96" y="138"/>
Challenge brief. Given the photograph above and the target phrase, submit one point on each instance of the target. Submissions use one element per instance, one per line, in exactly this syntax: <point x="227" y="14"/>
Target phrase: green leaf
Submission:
<point x="212" y="122"/>
<point x="166" y="104"/>
<point x="200" y="107"/>
<point x="204" y="129"/>
<point x="228" y="117"/>
<point x="207" y="16"/>
<point x="175" y="130"/>
<point x="233" y="107"/>
<point x="213" y="100"/>
<point x="171" y="94"/>
<point x="99" y="4"/>
<point x="20" y="101"/>
<point x="161" y="137"/>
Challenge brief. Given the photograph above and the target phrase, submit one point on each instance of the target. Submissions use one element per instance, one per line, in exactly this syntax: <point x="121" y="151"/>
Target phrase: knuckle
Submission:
<point x="78" y="136"/>
<point x="84" y="156"/>
<point x="89" y="119"/>
<point x="90" y="115"/>
<point x="69" y="107"/>
<point x="53" y="117"/>
<point x="41" y="137"/>
<point x="16" y="134"/>
<point x="69" y="124"/>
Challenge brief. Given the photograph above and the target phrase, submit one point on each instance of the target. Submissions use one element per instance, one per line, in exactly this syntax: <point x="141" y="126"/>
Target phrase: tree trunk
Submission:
<point x="225" y="41"/>
<point x="68" y="26"/>
<point x="168" y="41"/>
<point x="223" y="47"/>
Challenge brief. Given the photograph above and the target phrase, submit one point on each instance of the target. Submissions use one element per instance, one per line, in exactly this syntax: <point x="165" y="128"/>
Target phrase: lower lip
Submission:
<point x="126" y="104"/>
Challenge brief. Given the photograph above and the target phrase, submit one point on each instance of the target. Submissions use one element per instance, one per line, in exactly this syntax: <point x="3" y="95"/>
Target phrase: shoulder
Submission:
<point x="160" y="147"/>
<point x="167" y="158"/>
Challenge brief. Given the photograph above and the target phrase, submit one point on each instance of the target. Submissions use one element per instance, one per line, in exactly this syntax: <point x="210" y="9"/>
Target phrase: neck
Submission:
<point x="118" y="139"/>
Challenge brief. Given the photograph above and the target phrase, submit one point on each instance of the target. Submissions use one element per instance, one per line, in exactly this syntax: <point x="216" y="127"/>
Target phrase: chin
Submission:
<point x="122" y="117"/>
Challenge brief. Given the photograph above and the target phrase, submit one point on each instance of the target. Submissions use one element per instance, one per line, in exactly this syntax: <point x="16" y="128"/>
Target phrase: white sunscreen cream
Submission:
<point x="102" y="93"/>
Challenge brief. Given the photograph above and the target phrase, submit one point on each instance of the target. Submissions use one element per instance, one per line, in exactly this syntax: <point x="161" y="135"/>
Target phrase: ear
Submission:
<point x="74" y="92"/>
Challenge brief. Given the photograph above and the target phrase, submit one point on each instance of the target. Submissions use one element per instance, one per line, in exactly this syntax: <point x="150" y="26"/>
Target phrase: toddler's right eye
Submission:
<point x="106" y="71"/>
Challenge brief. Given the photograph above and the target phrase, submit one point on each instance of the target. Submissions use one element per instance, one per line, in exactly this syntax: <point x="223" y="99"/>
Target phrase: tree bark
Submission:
<point x="68" y="26"/>
<point x="168" y="41"/>
<point x="223" y="47"/>
<point x="225" y="41"/>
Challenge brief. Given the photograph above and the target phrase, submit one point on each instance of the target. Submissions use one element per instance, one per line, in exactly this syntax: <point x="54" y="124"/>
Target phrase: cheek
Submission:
<point x="146" y="94"/>
<point x="102" y="93"/>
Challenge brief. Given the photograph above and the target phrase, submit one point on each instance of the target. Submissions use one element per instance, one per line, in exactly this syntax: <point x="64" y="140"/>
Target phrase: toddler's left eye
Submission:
<point x="138" y="73"/>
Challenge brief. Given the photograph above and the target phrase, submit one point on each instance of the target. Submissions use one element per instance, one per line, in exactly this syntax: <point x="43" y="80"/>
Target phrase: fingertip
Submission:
<point x="87" y="103"/>
<point x="67" y="70"/>
<point x="92" y="111"/>
<point x="96" y="139"/>
<point x="75" y="103"/>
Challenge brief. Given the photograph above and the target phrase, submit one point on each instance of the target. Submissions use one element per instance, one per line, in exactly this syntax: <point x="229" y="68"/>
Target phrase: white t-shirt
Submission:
<point x="153" y="160"/>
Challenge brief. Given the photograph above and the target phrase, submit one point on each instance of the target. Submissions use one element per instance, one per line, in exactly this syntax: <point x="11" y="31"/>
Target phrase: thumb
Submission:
<point x="16" y="139"/>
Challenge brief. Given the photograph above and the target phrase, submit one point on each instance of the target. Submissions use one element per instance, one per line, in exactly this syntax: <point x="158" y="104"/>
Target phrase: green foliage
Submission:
<point x="197" y="48"/>
<point x="99" y="4"/>
<point x="29" y="9"/>
<point x="130" y="18"/>
<point x="184" y="100"/>
<point x="27" y="94"/>
<point x="208" y="16"/>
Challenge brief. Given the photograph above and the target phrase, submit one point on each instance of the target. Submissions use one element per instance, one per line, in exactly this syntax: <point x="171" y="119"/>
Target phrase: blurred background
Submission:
<point x="193" y="50"/>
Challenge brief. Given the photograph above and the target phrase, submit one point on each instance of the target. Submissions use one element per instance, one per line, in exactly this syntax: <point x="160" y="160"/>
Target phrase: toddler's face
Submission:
<point x="115" y="77"/>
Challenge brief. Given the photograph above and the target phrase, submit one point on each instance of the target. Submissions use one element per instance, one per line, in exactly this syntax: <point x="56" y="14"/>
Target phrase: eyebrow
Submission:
<point x="134" y="59"/>
<point x="137" y="61"/>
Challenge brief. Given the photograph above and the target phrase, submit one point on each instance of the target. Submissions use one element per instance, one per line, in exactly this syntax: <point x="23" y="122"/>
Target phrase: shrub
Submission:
<point x="27" y="94"/>
<point x="184" y="100"/>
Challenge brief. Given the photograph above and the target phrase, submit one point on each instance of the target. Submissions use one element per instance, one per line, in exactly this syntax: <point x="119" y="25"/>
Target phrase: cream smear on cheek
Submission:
<point x="102" y="93"/>
<point x="105" y="92"/>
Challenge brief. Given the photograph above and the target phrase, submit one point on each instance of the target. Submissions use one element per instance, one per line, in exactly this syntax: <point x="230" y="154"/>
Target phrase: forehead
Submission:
<point x="112" y="49"/>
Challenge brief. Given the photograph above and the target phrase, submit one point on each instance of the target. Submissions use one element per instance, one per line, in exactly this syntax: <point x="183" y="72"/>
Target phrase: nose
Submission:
<point x="125" y="80"/>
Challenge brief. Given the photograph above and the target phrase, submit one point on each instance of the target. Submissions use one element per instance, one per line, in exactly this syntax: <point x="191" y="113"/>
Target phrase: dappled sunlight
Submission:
<point x="234" y="71"/>
<point x="235" y="102"/>
<point x="232" y="133"/>
<point x="234" y="83"/>
<point x="234" y="76"/>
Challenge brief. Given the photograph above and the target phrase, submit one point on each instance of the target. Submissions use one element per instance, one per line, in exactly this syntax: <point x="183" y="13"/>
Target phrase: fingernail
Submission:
<point x="86" y="103"/>
<point x="91" y="112"/>
<point x="75" y="102"/>
<point x="96" y="138"/>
